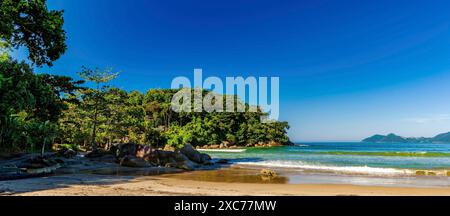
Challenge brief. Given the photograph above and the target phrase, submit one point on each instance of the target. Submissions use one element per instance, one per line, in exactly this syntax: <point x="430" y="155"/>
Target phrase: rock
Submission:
<point x="268" y="173"/>
<point x="194" y="155"/>
<point x="171" y="165"/>
<point x="214" y="146"/>
<point x="43" y="171"/>
<point x="226" y="144"/>
<point x="421" y="173"/>
<point x="7" y="156"/>
<point x="130" y="161"/>
<point x="205" y="157"/>
<point x="69" y="153"/>
<point x="209" y="163"/>
<point x="144" y="152"/>
<point x="17" y="173"/>
<point x="187" y="165"/>
<point x="36" y="163"/>
<point x="430" y="173"/>
<point x="169" y="148"/>
<point x="108" y="158"/>
<point x="122" y="150"/>
<point x="174" y="160"/>
<point x="274" y="144"/>
<point x="29" y="166"/>
<point x="222" y="161"/>
<point x="98" y="153"/>
<point x="162" y="157"/>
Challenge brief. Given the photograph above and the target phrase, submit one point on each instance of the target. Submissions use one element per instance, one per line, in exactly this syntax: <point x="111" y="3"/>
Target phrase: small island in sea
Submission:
<point x="393" y="138"/>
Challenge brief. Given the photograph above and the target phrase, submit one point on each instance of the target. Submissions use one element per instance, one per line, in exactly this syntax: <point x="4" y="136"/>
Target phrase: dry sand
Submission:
<point x="101" y="185"/>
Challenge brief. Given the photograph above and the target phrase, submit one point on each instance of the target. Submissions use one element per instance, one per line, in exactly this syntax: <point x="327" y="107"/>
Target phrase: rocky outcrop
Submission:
<point x="128" y="155"/>
<point x="174" y="159"/>
<point x="228" y="145"/>
<point x="131" y="161"/>
<point x="222" y="161"/>
<point x="194" y="155"/>
<point x="29" y="166"/>
<point x="268" y="175"/>
<point x="137" y="155"/>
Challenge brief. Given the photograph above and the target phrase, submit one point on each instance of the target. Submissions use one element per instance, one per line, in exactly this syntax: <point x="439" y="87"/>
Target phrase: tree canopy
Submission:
<point x="29" y="23"/>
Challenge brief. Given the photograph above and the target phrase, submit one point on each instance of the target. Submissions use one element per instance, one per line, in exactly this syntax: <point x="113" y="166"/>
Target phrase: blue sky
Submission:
<point x="348" y="69"/>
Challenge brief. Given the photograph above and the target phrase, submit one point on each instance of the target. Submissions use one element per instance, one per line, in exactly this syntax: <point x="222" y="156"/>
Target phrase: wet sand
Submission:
<point x="229" y="182"/>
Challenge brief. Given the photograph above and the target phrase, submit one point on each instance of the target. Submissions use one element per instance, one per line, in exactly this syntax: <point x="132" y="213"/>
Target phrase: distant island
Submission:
<point x="393" y="138"/>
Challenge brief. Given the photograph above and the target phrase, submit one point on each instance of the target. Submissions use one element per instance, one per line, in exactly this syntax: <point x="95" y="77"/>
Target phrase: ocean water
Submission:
<point x="373" y="159"/>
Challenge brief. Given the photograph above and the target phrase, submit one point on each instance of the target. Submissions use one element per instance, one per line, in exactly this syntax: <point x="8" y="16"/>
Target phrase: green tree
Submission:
<point x="29" y="23"/>
<point x="27" y="99"/>
<point x="94" y="100"/>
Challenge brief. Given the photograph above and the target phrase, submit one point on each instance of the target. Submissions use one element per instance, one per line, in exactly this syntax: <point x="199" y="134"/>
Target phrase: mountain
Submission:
<point x="393" y="138"/>
<point x="445" y="137"/>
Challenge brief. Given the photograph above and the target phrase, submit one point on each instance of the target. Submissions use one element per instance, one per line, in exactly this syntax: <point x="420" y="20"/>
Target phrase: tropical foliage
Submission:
<point x="38" y="110"/>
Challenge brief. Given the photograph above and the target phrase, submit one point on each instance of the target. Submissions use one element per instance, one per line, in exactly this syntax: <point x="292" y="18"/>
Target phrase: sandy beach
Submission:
<point x="102" y="185"/>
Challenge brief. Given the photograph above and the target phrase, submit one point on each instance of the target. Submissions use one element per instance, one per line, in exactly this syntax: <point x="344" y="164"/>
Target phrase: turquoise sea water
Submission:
<point x="352" y="158"/>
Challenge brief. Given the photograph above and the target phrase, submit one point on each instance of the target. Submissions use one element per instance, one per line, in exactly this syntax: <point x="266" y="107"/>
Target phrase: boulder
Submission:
<point x="98" y="153"/>
<point x="194" y="155"/>
<point x="205" y="157"/>
<point x="122" y="150"/>
<point x="130" y="161"/>
<point x="162" y="157"/>
<point x="29" y="166"/>
<point x="222" y="161"/>
<point x="20" y="173"/>
<point x="431" y="173"/>
<point x="145" y="152"/>
<point x="174" y="160"/>
<point x="268" y="173"/>
<point x="36" y="163"/>
<point x="225" y="144"/>
<point x="214" y="146"/>
<point x="69" y="153"/>
<point x="421" y="172"/>
<point x="168" y="148"/>
<point x="187" y="165"/>
<point x="107" y="158"/>
<point x="274" y="144"/>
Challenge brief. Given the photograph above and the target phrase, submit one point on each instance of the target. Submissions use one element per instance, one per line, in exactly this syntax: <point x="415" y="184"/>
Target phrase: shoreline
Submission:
<point x="229" y="181"/>
<point x="95" y="185"/>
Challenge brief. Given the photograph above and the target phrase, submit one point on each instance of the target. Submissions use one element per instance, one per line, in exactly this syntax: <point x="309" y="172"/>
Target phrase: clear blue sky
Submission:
<point x="348" y="69"/>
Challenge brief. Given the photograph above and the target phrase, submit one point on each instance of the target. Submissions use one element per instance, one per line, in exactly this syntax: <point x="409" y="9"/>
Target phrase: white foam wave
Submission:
<point x="326" y="168"/>
<point x="302" y="145"/>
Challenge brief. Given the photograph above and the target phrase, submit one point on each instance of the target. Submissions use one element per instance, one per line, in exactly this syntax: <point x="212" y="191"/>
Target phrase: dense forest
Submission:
<point x="39" y="110"/>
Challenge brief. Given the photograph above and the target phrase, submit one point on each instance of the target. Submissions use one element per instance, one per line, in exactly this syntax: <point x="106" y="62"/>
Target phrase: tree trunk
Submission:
<point x="94" y="133"/>
<point x="43" y="148"/>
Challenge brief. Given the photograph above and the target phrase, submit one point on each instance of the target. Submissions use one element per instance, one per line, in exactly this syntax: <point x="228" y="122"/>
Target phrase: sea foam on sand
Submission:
<point x="326" y="168"/>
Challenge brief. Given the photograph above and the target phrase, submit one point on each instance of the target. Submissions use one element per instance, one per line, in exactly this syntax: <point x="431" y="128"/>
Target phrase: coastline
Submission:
<point x="94" y="185"/>
<point x="230" y="181"/>
<point x="84" y="176"/>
